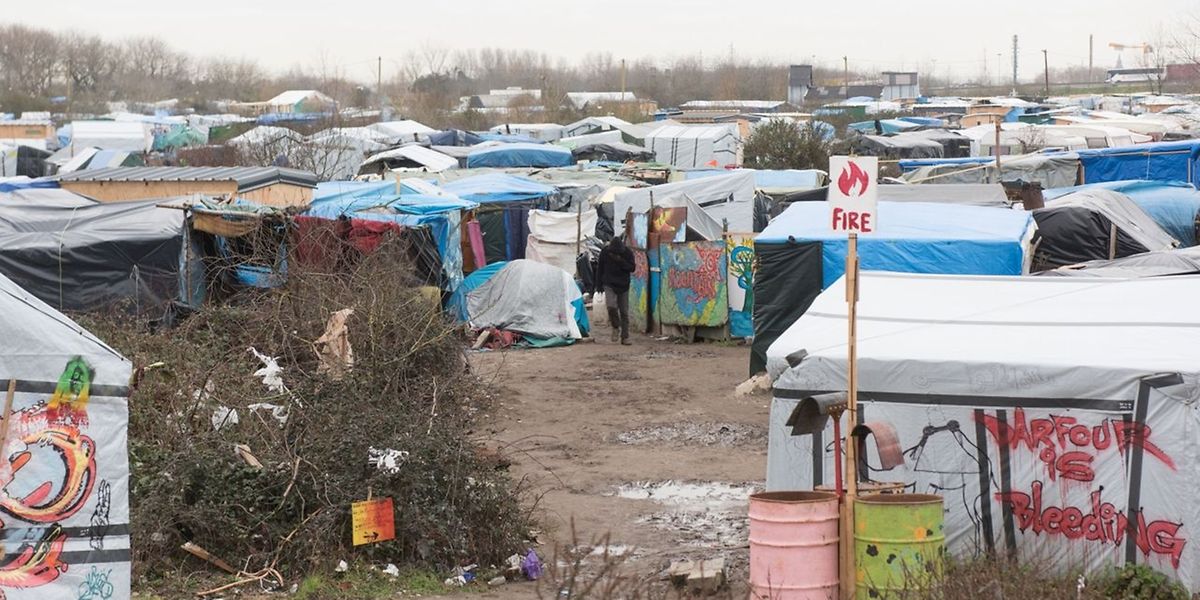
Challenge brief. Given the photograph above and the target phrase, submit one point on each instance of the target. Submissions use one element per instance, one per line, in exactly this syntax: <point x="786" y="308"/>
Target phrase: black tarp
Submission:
<point x="1072" y="234"/>
<point x="895" y="147"/>
<point x="79" y="255"/>
<point x="787" y="280"/>
<point x="491" y="225"/>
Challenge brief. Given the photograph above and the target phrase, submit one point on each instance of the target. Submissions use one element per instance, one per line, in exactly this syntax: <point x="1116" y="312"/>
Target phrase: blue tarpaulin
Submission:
<point x="520" y="155"/>
<point x="888" y="126"/>
<point x="913" y="237"/>
<point x="497" y="187"/>
<point x="1173" y="205"/>
<point x="1164" y="161"/>
<point x="456" y="304"/>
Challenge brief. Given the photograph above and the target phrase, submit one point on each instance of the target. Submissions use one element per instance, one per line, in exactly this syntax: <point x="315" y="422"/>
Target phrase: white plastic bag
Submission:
<point x="599" y="316"/>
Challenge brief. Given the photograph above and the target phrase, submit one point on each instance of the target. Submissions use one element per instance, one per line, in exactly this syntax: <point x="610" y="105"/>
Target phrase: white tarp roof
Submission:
<point x="973" y="194"/>
<point x="693" y="146"/>
<point x="528" y="297"/>
<point x="406" y="129"/>
<point x="709" y="200"/>
<point x="432" y="160"/>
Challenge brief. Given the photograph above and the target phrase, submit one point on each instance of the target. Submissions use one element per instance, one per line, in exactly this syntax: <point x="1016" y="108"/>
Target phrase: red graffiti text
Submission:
<point x="1067" y="447"/>
<point x="702" y="281"/>
<point x="1103" y="523"/>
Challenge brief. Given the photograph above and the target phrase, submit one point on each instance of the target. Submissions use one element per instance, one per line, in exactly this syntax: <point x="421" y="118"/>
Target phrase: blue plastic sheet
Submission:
<point x="520" y="155"/>
<point x="497" y="187"/>
<point x="913" y="237"/>
<point x="1164" y="161"/>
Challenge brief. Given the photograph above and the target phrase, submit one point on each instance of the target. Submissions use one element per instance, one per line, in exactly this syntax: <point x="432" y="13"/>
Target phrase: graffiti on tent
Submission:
<point x="47" y="473"/>
<point x="694" y="284"/>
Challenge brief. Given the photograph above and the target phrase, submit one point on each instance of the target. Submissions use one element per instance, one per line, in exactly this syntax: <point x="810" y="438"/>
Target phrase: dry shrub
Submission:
<point x="409" y="391"/>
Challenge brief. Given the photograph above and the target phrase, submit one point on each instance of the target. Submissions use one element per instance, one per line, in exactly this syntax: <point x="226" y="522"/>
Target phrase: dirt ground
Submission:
<point x="645" y="444"/>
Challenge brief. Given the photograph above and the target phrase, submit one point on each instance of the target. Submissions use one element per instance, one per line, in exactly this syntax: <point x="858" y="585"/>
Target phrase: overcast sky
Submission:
<point x="874" y="34"/>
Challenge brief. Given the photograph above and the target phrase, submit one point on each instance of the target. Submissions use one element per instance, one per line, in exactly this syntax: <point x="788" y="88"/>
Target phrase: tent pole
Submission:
<point x="847" y="534"/>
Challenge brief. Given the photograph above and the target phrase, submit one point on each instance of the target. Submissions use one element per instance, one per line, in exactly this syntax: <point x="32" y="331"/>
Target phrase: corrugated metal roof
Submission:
<point x="247" y="178"/>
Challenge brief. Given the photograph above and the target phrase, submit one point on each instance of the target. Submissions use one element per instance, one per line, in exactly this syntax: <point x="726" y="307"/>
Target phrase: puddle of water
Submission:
<point x="699" y="514"/>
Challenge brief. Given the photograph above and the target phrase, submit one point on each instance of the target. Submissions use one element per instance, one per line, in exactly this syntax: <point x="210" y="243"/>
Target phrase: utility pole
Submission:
<point x="1014" y="82"/>
<point x="846" y="74"/>
<point x="1091" y="55"/>
<point x="379" y="84"/>
<point x="622" y="80"/>
<point x="1046" y="63"/>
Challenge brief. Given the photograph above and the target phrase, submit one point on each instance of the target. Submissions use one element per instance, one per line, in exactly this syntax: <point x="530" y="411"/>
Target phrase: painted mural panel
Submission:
<point x="739" y="251"/>
<point x="694" y="284"/>
<point x="669" y="223"/>
<point x="639" y="293"/>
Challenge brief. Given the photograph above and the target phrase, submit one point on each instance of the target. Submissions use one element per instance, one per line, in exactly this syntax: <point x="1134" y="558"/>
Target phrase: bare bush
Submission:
<point x="409" y="395"/>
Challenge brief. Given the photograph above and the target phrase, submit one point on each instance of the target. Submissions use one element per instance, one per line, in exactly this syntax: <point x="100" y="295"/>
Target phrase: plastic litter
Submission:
<point x="531" y="566"/>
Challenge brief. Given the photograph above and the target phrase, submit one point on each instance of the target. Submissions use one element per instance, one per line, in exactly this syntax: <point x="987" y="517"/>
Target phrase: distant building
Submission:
<point x="606" y="101"/>
<point x="737" y="106"/>
<point x="502" y="101"/>
<point x="800" y="81"/>
<point x="270" y="186"/>
<point x="297" y="102"/>
<point x="900" y="84"/>
<point x="26" y="132"/>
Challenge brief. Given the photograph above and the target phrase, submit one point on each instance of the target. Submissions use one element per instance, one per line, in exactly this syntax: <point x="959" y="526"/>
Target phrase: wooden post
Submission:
<point x="846" y="561"/>
<point x="998" y="177"/>
<point x="578" y="227"/>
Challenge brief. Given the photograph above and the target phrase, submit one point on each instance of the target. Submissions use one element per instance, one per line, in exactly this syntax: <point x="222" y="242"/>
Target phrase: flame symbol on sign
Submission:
<point x="853" y="177"/>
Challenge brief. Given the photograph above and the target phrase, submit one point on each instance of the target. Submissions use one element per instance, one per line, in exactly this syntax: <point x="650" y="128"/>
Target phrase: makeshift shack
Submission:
<point x="79" y="255"/>
<point x="270" y="186"/>
<point x="1163" y="161"/>
<point x="66" y="510"/>
<point x="132" y="136"/>
<point x="692" y="146"/>
<point x="798" y="256"/>
<point x="1055" y="416"/>
<point x="503" y="214"/>
<point x="1174" y="206"/>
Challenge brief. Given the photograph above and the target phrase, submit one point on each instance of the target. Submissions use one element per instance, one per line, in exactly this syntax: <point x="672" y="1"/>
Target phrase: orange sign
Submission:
<point x="372" y="521"/>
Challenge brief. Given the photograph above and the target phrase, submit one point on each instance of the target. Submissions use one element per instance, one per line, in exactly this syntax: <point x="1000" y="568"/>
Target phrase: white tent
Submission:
<point x="402" y="131"/>
<point x="543" y="132"/>
<point x="1057" y="416"/>
<point x="692" y="146"/>
<point x="709" y="200"/>
<point x="67" y="486"/>
<point x="132" y="136"/>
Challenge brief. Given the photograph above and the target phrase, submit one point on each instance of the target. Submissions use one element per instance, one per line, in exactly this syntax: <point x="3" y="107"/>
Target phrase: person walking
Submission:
<point x="612" y="273"/>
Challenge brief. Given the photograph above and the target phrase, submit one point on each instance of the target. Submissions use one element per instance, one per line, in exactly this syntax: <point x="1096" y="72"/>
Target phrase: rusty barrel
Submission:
<point x="871" y="487"/>
<point x="794" y="546"/>
<point x="899" y="544"/>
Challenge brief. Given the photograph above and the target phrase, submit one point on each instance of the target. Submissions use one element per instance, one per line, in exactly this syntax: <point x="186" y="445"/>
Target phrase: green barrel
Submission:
<point x="899" y="544"/>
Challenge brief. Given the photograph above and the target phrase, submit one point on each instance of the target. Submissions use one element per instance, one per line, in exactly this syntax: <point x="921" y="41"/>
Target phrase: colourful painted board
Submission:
<point x="739" y="252"/>
<point x="694" y="284"/>
<point x="639" y="293"/>
<point x="372" y="521"/>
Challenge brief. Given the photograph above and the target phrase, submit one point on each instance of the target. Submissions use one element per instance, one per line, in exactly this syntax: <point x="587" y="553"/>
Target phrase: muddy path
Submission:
<point x="644" y="444"/>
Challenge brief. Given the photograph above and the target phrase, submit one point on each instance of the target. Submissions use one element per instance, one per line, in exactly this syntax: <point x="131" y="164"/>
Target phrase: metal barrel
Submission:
<point x="794" y="546"/>
<point x="899" y="544"/>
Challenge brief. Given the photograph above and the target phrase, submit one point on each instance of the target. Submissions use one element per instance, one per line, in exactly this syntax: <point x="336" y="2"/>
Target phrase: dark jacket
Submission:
<point x="614" y="268"/>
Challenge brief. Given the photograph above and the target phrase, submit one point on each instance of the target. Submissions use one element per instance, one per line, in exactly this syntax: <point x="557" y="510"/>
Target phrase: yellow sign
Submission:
<point x="372" y="521"/>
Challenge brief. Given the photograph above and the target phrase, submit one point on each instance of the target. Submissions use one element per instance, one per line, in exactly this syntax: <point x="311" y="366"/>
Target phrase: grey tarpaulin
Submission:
<point x="70" y="490"/>
<point x="527" y="297"/>
<point x="76" y="254"/>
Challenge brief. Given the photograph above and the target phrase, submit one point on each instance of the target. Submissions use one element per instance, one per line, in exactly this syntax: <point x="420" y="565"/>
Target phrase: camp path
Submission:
<point x="646" y="444"/>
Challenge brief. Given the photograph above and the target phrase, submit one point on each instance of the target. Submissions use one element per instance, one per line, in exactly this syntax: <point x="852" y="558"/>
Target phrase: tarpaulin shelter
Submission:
<point x="77" y="254"/>
<point x="896" y="147"/>
<point x="1051" y="169"/>
<point x="132" y="136"/>
<point x="66" y="510"/>
<point x="403" y="131"/>
<point x="367" y="205"/>
<point x="520" y="155"/>
<point x="711" y="201"/>
<point x="691" y="146"/>
<point x="1174" y="206"/>
<point x="1163" y="161"/>
<point x="531" y="298"/>
<point x="23" y="161"/>
<point x="1056" y="416"/>
<point x="411" y="158"/>
<point x="769" y="181"/>
<point x="503" y="216"/>
<point x="557" y="238"/>
<point x="611" y="152"/>
<point x="1093" y="224"/>
<point x="798" y="255"/>
<point x="1182" y="261"/>
<point x="453" y="137"/>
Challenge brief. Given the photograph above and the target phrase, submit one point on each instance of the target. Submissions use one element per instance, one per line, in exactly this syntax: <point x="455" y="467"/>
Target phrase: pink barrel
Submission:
<point x="794" y="546"/>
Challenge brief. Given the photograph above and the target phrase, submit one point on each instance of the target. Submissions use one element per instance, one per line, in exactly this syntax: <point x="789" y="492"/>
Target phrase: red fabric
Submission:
<point x="366" y="236"/>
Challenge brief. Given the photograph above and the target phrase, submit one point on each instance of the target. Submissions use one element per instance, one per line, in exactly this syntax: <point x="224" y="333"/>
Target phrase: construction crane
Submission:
<point x="1121" y="48"/>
